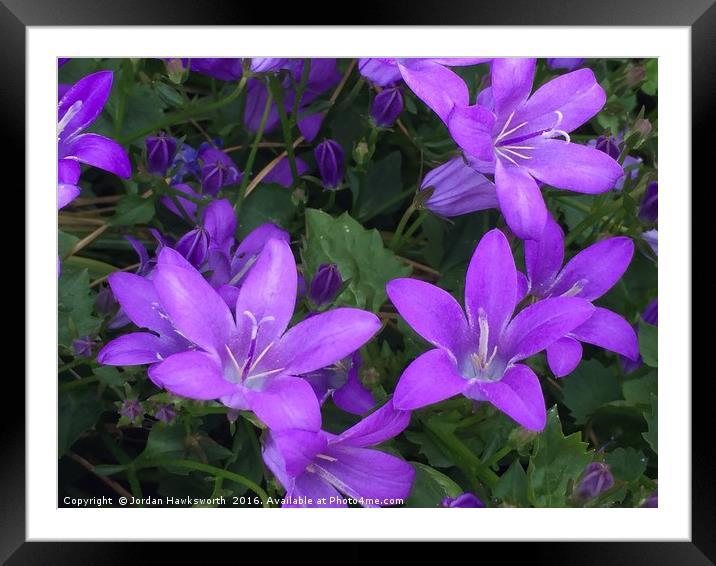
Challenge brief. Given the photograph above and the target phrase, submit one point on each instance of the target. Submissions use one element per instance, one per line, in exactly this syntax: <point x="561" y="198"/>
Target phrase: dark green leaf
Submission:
<point x="587" y="388"/>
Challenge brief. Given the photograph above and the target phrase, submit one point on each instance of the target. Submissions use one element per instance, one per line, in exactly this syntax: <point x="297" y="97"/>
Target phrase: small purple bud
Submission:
<point x="652" y="500"/>
<point x="160" y="153"/>
<point x="82" y="346"/>
<point x="643" y="127"/>
<point x="217" y="170"/>
<point x="165" y="412"/>
<point x="608" y="145"/>
<point x="464" y="500"/>
<point x="564" y="63"/>
<point x="651" y="237"/>
<point x="596" y="479"/>
<point x="386" y="107"/>
<point x="325" y="284"/>
<point x="194" y="246"/>
<point x="131" y="408"/>
<point x="300" y="286"/>
<point x="105" y="302"/>
<point x="651" y="313"/>
<point x="649" y="209"/>
<point x="331" y="163"/>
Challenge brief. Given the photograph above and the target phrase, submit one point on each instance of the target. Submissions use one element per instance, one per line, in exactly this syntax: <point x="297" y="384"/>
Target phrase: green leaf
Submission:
<point x="75" y="304"/>
<point x="65" y="242"/>
<point x="589" y="387"/>
<point x="512" y="487"/>
<point x="638" y="391"/>
<point x="142" y="107"/>
<point x="108" y="375"/>
<point x="556" y="460"/>
<point x="626" y="464"/>
<point x="359" y="254"/>
<point x="133" y="209"/>
<point x="432" y="452"/>
<point x="267" y="203"/>
<point x="169" y="94"/>
<point x="430" y="487"/>
<point x="164" y="442"/>
<point x="649" y="343"/>
<point x="382" y="184"/>
<point x="651" y="436"/>
<point x="78" y="412"/>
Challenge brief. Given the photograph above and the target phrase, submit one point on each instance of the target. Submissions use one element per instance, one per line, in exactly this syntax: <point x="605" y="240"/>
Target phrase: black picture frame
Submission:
<point x="16" y="15"/>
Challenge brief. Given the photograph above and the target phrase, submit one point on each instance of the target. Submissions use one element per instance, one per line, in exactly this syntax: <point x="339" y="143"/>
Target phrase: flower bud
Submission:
<point x="652" y="500"/>
<point x="649" y="209"/>
<point x="464" y="500"/>
<point x="160" y="153"/>
<point x="194" y="246"/>
<point x="386" y="108"/>
<point x="132" y="409"/>
<point x="217" y="170"/>
<point x="165" y="412"/>
<point x="105" y="302"/>
<point x="643" y="127"/>
<point x="175" y="70"/>
<point x="596" y="479"/>
<point x="82" y="347"/>
<point x="325" y="284"/>
<point x="608" y="145"/>
<point x="331" y="163"/>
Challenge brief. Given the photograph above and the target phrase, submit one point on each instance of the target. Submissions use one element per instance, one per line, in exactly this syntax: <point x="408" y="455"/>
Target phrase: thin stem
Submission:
<point x="395" y="242"/>
<point x="277" y="92"/>
<point x="113" y="485"/>
<point x="243" y="192"/>
<point x="77" y="383"/>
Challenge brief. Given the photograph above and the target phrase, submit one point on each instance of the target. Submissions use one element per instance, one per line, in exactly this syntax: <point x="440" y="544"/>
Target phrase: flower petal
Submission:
<point x="519" y="395"/>
<point x="362" y="473"/>
<point x="471" y="128"/>
<point x="564" y="355"/>
<point x="353" y="397"/>
<point x="285" y="403"/>
<point x="430" y="378"/>
<point x="196" y="310"/>
<point x="491" y="285"/>
<point x="511" y="82"/>
<point x="268" y="293"/>
<point x="596" y="269"/>
<point x="324" y="339"/>
<point x="220" y="223"/>
<point x="99" y="152"/>
<point x="85" y="99"/>
<point x="383" y="424"/>
<point x="195" y="375"/>
<point x="544" y="257"/>
<point x="577" y="96"/>
<point x="140" y="301"/>
<point x="297" y="448"/>
<point x="431" y="312"/>
<point x="189" y="207"/>
<point x="379" y="72"/>
<point x="134" y="349"/>
<point x="66" y="194"/>
<point x="520" y="200"/>
<point x="542" y="323"/>
<point x="437" y="86"/>
<point x="311" y="489"/>
<point x="572" y="166"/>
<point x="608" y="330"/>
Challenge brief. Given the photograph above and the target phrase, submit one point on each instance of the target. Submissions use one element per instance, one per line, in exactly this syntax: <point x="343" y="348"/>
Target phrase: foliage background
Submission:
<point x="598" y="412"/>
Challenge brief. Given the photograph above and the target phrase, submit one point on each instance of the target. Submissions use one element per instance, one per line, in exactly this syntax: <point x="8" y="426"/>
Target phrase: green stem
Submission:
<point x="277" y="92"/>
<point x="395" y="242"/>
<point x="252" y="155"/>
<point x="188" y="114"/>
<point x="386" y="205"/>
<point x="415" y="225"/>
<point x="78" y="383"/>
<point x="214" y="471"/>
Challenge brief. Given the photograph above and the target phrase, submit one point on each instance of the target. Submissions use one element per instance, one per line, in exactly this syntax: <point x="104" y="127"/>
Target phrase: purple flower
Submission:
<point x="651" y="237"/>
<point x="477" y="355"/>
<point x="282" y="175"/>
<point x="165" y="412"/>
<point x="651" y="501"/>
<point x="609" y="145"/>
<point x="388" y="71"/>
<point x="222" y="68"/>
<point x="386" y="107"/>
<point x="588" y="275"/>
<point x="267" y="64"/>
<point x="516" y="136"/>
<point x="319" y="469"/>
<point x="83" y="346"/>
<point x="77" y="109"/>
<point x="186" y="162"/>
<point x="331" y="163"/>
<point x="132" y="409"/>
<point x="342" y="382"/>
<point x="649" y="209"/>
<point x="325" y="284"/>
<point x="464" y="500"/>
<point x="194" y="246"/>
<point x="564" y="63"/>
<point x="217" y="170"/>
<point x="247" y="360"/>
<point x="160" y="153"/>
<point x="458" y="189"/>
<point x="596" y="479"/>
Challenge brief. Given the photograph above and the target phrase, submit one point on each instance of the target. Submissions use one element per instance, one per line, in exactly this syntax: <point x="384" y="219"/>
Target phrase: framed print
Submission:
<point x="296" y="271"/>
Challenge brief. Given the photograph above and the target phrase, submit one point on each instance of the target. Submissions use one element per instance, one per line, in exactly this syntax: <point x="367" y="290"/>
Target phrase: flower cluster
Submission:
<point x="352" y="361"/>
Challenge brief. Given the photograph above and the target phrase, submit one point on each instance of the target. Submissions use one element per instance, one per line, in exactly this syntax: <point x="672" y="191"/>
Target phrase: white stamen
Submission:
<point x="324" y="457"/>
<point x="484" y="336"/>
<point x="498" y="152"/>
<point x="575" y="289"/>
<point x="260" y="356"/>
<point x="508" y="148"/>
<point x="505" y="131"/>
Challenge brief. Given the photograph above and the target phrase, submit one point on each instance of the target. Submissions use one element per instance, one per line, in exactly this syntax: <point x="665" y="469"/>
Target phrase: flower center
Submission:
<point x="245" y="371"/>
<point x="509" y="147"/>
